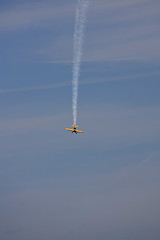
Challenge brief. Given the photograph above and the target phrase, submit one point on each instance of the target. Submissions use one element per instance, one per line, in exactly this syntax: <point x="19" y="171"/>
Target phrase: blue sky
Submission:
<point x="103" y="184"/>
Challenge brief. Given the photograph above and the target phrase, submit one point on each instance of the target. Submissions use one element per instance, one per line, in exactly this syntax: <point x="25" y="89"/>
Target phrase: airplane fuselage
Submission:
<point x="74" y="130"/>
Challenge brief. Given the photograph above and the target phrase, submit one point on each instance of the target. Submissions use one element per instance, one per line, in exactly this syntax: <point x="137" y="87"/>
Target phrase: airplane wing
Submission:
<point x="79" y="131"/>
<point x="69" y="129"/>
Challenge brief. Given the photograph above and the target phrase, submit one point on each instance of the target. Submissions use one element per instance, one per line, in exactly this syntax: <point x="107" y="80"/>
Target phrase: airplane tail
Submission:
<point x="74" y="126"/>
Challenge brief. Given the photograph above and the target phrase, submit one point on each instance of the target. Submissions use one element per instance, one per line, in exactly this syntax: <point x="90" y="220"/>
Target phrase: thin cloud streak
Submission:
<point x="127" y="31"/>
<point x="12" y="90"/>
<point x="82" y="82"/>
<point x="32" y="15"/>
<point x="136" y="24"/>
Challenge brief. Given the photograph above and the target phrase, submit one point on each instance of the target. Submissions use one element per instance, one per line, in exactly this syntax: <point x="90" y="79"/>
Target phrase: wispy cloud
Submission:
<point x="82" y="82"/>
<point x="115" y="29"/>
<point x="118" y="30"/>
<point x="127" y="29"/>
<point x="31" y="15"/>
<point x="121" y="126"/>
<point x="124" y="202"/>
<point x="35" y="88"/>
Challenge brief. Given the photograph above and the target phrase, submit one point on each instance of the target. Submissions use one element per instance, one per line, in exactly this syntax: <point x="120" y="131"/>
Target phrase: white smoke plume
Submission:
<point x="81" y="11"/>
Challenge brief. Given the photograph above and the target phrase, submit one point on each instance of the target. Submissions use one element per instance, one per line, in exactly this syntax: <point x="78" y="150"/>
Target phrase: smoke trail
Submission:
<point x="81" y="11"/>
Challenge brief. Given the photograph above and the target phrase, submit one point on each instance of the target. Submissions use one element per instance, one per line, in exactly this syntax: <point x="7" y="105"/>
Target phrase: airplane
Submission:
<point x="74" y="130"/>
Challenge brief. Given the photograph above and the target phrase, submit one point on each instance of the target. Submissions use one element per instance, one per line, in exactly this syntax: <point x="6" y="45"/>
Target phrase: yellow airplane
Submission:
<point x="74" y="130"/>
